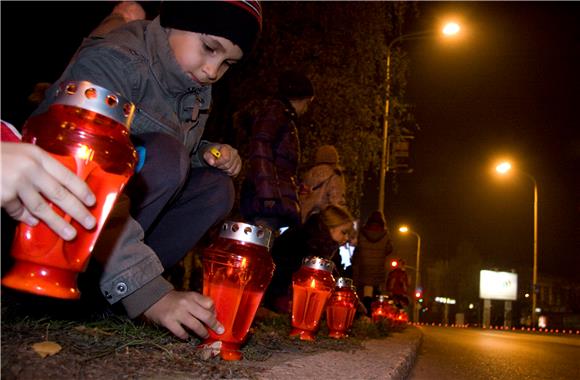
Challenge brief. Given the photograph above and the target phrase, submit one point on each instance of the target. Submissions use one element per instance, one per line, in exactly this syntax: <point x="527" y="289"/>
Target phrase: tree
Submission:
<point x="342" y="47"/>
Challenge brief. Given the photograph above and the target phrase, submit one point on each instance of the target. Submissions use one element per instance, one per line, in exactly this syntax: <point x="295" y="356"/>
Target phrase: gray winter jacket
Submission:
<point x="136" y="61"/>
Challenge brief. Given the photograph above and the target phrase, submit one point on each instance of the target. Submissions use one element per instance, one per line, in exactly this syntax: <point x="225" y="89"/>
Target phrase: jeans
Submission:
<point x="174" y="203"/>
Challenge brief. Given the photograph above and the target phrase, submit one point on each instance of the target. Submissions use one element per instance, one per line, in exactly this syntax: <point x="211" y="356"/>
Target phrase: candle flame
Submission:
<point x="85" y="153"/>
<point x="313" y="284"/>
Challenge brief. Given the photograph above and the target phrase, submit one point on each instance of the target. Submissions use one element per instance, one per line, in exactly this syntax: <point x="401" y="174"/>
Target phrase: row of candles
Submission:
<point x="87" y="129"/>
<point x="238" y="269"/>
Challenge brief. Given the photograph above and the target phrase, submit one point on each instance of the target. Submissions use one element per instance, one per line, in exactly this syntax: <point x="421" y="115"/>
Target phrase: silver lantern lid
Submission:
<point x="318" y="263"/>
<point x="247" y="233"/>
<point x="88" y="96"/>
<point x="383" y="298"/>
<point x="344" y="282"/>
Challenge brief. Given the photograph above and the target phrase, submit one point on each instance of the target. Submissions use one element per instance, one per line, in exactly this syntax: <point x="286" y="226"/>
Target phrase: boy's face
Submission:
<point x="204" y="58"/>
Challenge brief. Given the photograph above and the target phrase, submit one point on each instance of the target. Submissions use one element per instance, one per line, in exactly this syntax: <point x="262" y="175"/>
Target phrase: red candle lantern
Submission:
<point x="383" y="308"/>
<point x="87" y="130"/>
<point x="341" y="308"/>
<point x="237" y="269"/>
<point x="402" y="317"/>
<point x="312" y="286"/>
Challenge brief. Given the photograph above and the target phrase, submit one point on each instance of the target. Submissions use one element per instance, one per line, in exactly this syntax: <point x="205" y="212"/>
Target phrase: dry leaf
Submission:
<point x="209" y="350"/>
<point x="46" y="348"/>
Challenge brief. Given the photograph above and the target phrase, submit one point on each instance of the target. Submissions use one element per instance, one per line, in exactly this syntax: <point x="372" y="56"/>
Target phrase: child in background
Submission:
<point x="323" y="183"/>
<point x="321" y="235"/>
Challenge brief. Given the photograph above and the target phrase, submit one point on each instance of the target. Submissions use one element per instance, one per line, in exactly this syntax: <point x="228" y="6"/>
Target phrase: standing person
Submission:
<point x="166" y="67"/>
<point x="398" y="285"/>
<point x="369" y="261"/>
<point x="269" y="194"/>
<point x="321" y="235"/>
<point x="323" y="183"/>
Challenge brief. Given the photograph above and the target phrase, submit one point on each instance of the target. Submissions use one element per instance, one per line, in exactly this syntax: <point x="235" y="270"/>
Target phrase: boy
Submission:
<point x="166" y="67"/>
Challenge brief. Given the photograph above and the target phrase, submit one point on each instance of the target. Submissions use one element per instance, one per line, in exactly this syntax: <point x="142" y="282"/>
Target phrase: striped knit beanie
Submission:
<point x="238" y="21"/>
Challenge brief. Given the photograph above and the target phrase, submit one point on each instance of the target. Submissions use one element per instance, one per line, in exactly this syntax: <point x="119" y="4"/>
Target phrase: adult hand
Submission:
<point x="28" y="174"/>
<point x="129" y="10"/>
<point x="229" y="160"/>
<point x="122" y="13"/>
<point x="177" y="310"/>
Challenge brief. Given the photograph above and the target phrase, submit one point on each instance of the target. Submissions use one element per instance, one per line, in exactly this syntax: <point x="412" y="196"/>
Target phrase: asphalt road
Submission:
<point x="461" y="353"/>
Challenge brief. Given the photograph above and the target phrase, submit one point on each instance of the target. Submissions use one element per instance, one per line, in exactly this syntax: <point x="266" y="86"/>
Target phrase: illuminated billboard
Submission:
<point x="498" y="285"/>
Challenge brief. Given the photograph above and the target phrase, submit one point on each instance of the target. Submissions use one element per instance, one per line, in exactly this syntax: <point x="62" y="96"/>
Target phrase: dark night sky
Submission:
<point x="509" y="86"/>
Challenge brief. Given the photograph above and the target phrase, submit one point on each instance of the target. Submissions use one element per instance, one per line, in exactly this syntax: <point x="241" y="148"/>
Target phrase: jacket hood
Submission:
<point x="157" y="50"/>
<point x="373" y="235"/>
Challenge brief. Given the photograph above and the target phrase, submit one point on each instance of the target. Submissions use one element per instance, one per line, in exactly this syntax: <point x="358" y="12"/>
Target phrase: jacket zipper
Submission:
<point x="197" y="104"/>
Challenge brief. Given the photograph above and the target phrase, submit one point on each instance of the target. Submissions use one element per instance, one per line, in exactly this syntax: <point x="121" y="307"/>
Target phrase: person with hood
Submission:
<point x="323" y="183"/>
<point x="369" y="260"/>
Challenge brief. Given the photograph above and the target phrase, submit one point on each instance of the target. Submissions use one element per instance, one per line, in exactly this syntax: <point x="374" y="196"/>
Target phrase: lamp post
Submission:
<point x="449" y="29"/>
<point x="405" y="229"/>
<point x="504" y="168"/>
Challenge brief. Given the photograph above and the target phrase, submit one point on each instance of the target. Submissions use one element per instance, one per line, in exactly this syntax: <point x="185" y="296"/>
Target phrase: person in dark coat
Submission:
<point x="369" y="261"/>
<point x="321" y="235"/>
<point x="269" y="194"/>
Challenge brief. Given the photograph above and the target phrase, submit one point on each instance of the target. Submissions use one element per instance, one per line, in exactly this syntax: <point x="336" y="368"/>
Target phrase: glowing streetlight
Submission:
<point x="404" y="230"/>
<point x="449" y="30"/>
<point x="504" y="168"/>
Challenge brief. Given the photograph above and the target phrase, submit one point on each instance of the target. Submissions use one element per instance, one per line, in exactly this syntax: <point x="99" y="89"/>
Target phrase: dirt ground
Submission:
<point x="103" y="344"/>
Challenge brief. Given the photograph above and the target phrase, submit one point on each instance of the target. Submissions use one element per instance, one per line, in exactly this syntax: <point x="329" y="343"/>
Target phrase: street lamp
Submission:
<point x="450" y="29"/>
<point x="503" y="168"/>
<point x="404" y="230"/>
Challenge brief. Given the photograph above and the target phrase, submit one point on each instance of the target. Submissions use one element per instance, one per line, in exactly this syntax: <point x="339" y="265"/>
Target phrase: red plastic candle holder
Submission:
<point x="87" y="130"/>
<point x="312" y="286"/>
<point x="383" y="308"/>
<point x="341" y="308"/>
<point x="237" y="269"/>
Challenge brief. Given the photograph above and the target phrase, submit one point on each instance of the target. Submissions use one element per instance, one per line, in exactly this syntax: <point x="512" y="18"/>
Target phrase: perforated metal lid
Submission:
<point x="344" y="282"/>
<point x="94" y="98"/>
<point x="383" y="298"/>
<point x="248" y="233"/>
<point x="318" y="263"/>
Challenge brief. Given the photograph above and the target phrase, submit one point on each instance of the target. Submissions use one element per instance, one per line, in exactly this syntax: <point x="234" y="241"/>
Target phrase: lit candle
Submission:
<point x="312" y="286"/>
<point x="237" y="270"/>
<point x="341" y="308"/>
<point x="86" y="128"/>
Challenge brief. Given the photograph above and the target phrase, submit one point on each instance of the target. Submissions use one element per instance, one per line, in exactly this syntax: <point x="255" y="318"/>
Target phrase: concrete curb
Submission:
<point x="389" y="358"/>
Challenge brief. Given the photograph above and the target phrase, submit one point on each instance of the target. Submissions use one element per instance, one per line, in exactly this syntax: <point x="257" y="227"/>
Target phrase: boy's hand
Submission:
<point x="224" y="157"/>
<point x="179" y="310"/>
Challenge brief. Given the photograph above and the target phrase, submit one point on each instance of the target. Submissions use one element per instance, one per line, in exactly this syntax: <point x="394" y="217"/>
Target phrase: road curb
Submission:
<point x="389" y="358"/>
